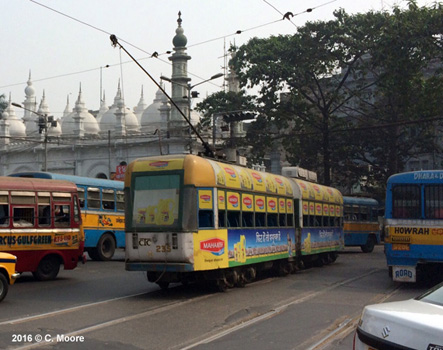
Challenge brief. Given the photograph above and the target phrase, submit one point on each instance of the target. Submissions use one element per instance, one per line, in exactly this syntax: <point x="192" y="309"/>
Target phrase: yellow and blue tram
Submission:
<point x="190" y="218"/>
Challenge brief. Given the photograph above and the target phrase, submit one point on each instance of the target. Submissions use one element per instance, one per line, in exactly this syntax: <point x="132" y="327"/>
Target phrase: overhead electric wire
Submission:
<point x="151" y="55"/>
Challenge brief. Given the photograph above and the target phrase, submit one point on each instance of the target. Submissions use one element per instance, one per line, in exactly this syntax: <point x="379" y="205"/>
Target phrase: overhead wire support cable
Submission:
<point x="208" y="150"/>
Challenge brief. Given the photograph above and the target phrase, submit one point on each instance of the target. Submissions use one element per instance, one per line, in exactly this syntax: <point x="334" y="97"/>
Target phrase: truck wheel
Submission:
<point x="106" y="247"/>
<point x="4" y="286"/>
<point x="47" y="269"/>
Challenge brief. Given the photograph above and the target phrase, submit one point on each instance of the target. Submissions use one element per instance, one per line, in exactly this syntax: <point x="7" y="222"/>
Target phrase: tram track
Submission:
<point x="157" y="307"/>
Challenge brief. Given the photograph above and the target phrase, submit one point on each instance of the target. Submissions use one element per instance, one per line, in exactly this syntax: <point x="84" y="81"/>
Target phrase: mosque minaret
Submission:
<point x="88" y="143"/>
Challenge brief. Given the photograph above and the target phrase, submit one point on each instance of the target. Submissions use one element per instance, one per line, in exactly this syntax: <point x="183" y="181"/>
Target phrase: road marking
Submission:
<point x="116" y="321"/>
<point x="348" y="325"/>
<point x="70" y="309"/>
<point x="276" y="311"/>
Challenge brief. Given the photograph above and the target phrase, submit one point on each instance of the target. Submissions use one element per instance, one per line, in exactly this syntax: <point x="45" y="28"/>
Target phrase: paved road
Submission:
<point x="100" y="305"/>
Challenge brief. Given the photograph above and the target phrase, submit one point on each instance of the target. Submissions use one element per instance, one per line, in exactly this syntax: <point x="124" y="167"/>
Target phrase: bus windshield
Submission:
<point x="156" y="201"/>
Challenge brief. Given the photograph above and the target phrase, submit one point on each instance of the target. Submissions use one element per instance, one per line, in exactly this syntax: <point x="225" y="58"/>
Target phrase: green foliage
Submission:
<point x="359" y="91"/>
<point x="3" y="103"/>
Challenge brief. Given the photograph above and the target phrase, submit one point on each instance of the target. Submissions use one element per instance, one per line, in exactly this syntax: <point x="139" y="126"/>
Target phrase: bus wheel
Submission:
<point x="3" y="286"/>
<point x="369" y="246"/>
<point x="47" y="269"/>
<point x="106" y="247"/>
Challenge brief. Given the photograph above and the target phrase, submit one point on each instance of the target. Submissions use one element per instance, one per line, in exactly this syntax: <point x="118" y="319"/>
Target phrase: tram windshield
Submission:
<point x="156" y="201"/>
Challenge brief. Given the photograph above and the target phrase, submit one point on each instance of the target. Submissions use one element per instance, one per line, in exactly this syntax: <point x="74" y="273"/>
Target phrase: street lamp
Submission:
<point x="43" y="122"/>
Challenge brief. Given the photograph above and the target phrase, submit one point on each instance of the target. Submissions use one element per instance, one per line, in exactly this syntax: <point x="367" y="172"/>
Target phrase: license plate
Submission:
<point x="398" y="246"/>
<point x="404" y="273"/>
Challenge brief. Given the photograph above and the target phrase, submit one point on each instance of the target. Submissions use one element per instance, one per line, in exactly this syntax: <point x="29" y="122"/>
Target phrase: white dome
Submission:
<point x="152" y="116"/>
<point x="108" y="120"/>
<point x="89" y="122"/>
<point x="16" y="126"/>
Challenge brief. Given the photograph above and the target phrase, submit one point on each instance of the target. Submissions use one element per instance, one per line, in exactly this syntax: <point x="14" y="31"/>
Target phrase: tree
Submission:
<point x="3" y="104"/>
<point x="343" y="75"/>
<point x="222" y="103"/>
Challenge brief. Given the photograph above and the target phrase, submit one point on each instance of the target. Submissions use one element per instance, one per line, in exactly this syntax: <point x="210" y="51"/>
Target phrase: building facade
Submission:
<point x="94" y="144"/>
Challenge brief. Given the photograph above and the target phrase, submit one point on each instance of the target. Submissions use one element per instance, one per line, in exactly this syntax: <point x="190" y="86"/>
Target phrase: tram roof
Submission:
<point x="203" y="172"/>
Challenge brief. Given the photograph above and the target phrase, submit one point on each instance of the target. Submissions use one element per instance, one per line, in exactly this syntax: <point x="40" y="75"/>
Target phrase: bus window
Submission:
<point x="434" y="201"/>
<point x="272" y="220"/>
<point x="23" y="216"/>
<point x="260" y="219"/>
<point x="406" y="202"/>
<point x="120" y="201"/>
<point x="77" y="215"/>
<point x="4" y="210"/>
<point x="81" y="196"/>
<point x="108" y="199"/>
<point x="206" y="219"/>
<point x="44" y="208"/>
<point x="62" y="215"/>
<point x="248" y="219"/>
<point x="93" y="198"/>
<point x="233" y="218"/>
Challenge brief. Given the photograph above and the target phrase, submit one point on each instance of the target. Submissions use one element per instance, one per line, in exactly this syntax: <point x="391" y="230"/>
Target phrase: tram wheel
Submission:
<point x="47" y="269"/>
<point x="3" y="286"/>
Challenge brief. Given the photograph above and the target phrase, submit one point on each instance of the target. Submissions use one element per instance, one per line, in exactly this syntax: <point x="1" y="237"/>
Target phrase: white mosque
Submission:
<point x="84" y="144"/>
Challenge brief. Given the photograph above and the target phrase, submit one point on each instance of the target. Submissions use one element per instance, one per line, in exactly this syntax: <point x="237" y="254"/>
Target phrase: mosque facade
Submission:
<point x="84" y="144"/>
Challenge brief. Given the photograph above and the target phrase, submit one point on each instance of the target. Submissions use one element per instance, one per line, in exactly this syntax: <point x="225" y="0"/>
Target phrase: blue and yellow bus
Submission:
<point x="414" y="224"/>
<point x="190" y="218"/>
<point x="102" y="208"/>
<point x="361" y="225"/>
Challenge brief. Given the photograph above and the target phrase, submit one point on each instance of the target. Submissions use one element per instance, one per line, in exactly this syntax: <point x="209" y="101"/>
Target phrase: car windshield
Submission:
<point x="433" y="296"/>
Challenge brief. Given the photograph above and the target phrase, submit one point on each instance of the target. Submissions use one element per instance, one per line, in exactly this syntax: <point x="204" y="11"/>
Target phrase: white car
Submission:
<point x="415" y="324"/>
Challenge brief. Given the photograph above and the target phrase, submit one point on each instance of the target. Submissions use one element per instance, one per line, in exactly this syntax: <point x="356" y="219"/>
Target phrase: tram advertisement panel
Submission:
<point x="322" y="239"/>
<point x="246" y="246"/>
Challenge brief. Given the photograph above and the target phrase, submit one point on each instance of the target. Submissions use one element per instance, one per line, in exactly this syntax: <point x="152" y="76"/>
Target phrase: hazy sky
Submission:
<point x="63" y="53"/>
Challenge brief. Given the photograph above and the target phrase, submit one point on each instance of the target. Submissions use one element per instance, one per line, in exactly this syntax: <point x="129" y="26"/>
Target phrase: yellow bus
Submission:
<point x="190" y="218"/>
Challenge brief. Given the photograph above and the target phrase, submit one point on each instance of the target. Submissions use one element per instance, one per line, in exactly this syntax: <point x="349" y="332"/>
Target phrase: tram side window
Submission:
<point x="272" y="220"/>
<point x="406" y="202"/>
<point x="282" y="220"/>
<point x="233" y="218"/>
<point x="108" y="199"/>
<point x="306" y="220"/>
<point x="290" y="220"/>
<point x="205" y="219"/>
<point x="222" y="218"/>
<point x="248" y="219"/>
<point x="93" y="198"/>
<point x="434" y="201"/>
<point x="260" y="219"/>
